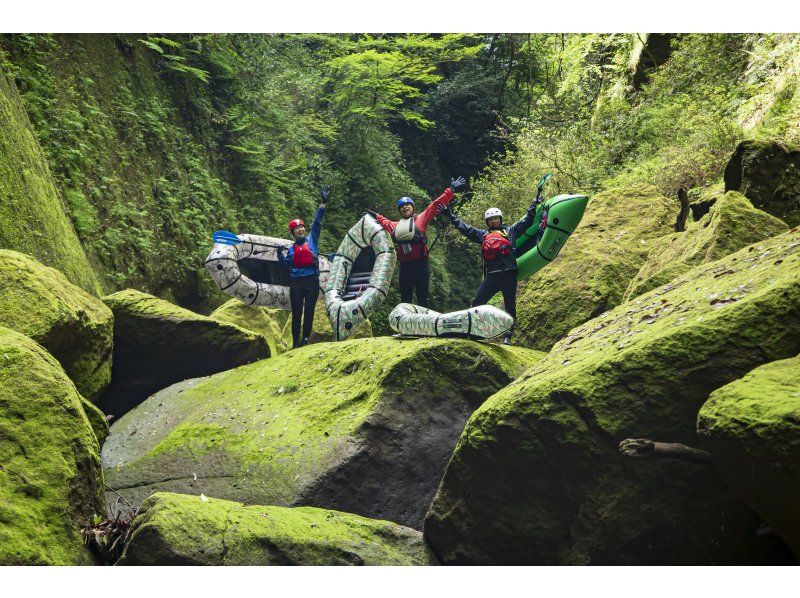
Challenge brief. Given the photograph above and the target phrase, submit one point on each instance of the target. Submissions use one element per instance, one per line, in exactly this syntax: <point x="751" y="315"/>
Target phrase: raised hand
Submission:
<point x="456" y="184"/>
<point x="324" y="191"/>
<point x="444" y="210"/>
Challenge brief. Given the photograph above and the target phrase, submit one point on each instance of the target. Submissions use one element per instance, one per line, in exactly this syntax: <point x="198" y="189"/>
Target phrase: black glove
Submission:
<point x="325" y="193"/>
<point x="444" y="210"/>
<point x="457" y="183"/>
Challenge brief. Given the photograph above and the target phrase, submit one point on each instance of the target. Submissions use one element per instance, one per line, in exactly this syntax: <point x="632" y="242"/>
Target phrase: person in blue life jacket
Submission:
<point x="302" y="259"/>
<point x="499" y="256"/>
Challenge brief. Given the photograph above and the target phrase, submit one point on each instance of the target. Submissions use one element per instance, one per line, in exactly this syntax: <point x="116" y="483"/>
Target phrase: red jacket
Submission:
<point x="421" y="221"/>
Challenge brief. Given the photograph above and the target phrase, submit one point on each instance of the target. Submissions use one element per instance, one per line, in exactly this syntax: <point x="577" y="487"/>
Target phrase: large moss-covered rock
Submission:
<point x="593" y="270"/>
<point x="364" y="426"/>
<point x="321" y="330"/>
<point x="50" y="477"/>
<point x="261" y="320"/>
<point x="752" y="427"/>
<point x="768" y="173"/>
<point x="75" y="327"/>
<point x="157" y="344"/>
<point x="32" y="217"/>
<point x="732" y="223"/>
<point x="537" y="477"/>
<point x="176" y="529"/>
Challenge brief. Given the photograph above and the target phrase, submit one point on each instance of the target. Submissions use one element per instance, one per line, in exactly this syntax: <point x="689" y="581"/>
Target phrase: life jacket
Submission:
<point x="405" y="233"/>
<point x="495" y="244"/>
<point x="303" y="256"/>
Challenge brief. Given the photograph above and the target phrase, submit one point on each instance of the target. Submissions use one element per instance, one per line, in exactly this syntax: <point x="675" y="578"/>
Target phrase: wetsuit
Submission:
<point x="413" y="255"/>
<point x="500" y="273"/>
<point x="304" y="282"/>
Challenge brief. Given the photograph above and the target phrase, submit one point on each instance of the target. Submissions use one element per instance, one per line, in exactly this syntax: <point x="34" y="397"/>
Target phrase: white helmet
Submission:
<point x="491" y="212"/>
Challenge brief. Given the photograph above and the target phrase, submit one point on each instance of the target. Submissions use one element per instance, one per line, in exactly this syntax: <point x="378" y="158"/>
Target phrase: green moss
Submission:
<point x="261" y="320"/>
<point x="75" y="327"/>
<point x="591" y="273"/>
<point x="32" y="217"/>
<point x="174" y="529"/>
<point x="97" y="420"/>
<point x="640" y="370"/>
<point x="50" y="477"/>
<point x="732" y="223"/>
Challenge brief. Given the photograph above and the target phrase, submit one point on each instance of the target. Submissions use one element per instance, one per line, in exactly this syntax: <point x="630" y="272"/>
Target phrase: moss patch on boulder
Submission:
<point x="75" y="327"/>
<point x="732" y="223"/>
<point x="593" y="270"/>
<point x="537" y="477"/>
<point x="157" y="344"/>
<point x="32" y="217"/>
<point x="363" y="426"/>
<point x="752" y="427"/>
<point x="50" y="476"/>
<point x="176" y="529"/>
<point x="261" y="320"/>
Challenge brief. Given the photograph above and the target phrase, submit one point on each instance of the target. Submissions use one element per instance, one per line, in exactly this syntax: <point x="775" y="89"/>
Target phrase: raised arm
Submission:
<point x="429" y="213"/>
<point x="470" y="232"/>
<point x="525" y="222"/>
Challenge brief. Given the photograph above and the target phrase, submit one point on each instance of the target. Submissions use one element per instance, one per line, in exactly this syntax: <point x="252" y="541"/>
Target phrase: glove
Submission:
<point x="444" y="210"/>
<point x="457" y="183"/>
<point x="324" y="191"/>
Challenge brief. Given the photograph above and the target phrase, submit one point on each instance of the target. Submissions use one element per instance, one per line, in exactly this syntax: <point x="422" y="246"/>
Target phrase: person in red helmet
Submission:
<point x="411" y="242"/>
<point x="303" y="263"/>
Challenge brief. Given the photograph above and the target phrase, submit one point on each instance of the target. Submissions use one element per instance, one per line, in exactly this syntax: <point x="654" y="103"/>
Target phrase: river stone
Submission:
<point x="75" y="327"/>
<point x="752" y="427"/>
<point x="177" y="529"/>
<point x="262" y="320"/>
<point x="768" y="173"/>
<point x="364" y="426"/>
<point x="50" y="476"/>
<point x="537" y="477"/>
<point x="732" y="223"/>
<point x="592" y="271"/>
<point x="157" y="344"/>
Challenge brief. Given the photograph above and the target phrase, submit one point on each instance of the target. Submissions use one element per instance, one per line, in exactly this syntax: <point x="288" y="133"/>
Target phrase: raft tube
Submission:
<point x="267" y="282"/>
<point x="361" y="272"/>
<point x="563" y="213"/>
<point x="484" y="321"/>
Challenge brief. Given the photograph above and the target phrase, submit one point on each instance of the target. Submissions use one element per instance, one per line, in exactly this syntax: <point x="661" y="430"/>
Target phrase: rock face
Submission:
<point x="75" y="327"/>
<point x="176" y="529"/>
<point x="326" y="425"/>
<point x="732" y="223"/>
<point x="768" y="173"/>
<point x="261" y="320"/>
<point x="537" y="477"/>
<point x="593" y="270"/>
<point x="50" y="477"/>
<point x="157" y="344"/>
<point x="32" y="217"/>
<point x="752" y="427"/>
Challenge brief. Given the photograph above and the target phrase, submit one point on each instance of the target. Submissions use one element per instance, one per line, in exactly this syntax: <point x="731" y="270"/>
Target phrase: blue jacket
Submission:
<point x="313" y="241"/>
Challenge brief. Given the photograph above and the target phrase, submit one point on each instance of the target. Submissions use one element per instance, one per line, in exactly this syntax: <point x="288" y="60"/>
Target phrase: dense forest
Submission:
<point x="630" y="391"/>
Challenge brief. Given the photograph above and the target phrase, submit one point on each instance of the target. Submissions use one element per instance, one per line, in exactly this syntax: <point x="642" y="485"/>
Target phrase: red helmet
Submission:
<point x="295" y="223"/>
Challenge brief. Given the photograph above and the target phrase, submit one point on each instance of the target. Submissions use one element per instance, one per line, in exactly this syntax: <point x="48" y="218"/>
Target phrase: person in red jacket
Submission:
<point x="411" y="242"/>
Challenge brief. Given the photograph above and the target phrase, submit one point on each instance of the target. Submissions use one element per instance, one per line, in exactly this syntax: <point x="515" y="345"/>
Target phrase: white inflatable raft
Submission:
<point x="484" y="321"/>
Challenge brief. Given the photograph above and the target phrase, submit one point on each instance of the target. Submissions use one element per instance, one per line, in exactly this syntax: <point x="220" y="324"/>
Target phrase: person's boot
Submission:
<point x="304" y="342"/>
<point x="507" y="340"/>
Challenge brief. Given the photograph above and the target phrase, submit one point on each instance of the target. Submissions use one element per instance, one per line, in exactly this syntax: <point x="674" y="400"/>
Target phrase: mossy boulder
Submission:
<point x="752" y="427"/>
<point x="537" y="476"/>
<point x="50" y="476"/>
<point x="364" y="426"/>
<point x="157" y="344"/>
<point x="32" y="217"/>
<point x="593" y="270"/>
<point x="261" y="320"/>
<point x="322" y="331"/>
<point x="176" y="529"/>
<point x="75" y="327"/>
<point x="732" y="223"/>
<point x="768" y="173"/>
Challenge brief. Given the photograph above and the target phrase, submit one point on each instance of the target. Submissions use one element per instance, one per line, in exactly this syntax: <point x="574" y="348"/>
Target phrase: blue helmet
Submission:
<point x="403" y="201"/>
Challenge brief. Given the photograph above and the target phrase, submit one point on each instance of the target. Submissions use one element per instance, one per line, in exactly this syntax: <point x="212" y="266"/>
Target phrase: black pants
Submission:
<point x="506" y="283"/>
<point x="303" y="293"/>
<point x="414" y="275"/>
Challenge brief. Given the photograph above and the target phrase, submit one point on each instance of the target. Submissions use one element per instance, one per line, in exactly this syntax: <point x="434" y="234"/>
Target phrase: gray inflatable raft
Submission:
<point x="252" y="272"/>
<point x="361" y="272"/>
<point x="484" y="321"/>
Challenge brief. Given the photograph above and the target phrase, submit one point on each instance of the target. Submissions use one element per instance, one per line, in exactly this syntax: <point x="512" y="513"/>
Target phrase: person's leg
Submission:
<point x="296" y="301"/>
<point x="422" y="282"/>
<point x="311" y="293"/>
<point x="486" y="291"/>
<point x="510" y="300"/>
<point x="406" y="281"/>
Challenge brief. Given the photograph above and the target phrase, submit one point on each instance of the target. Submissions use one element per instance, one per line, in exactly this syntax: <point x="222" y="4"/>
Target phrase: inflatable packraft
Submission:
<point x="484" y="321"/>
<point x="252" y="271"/>
<point x="554" y="221"/>
<point x="361" y="272"/>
